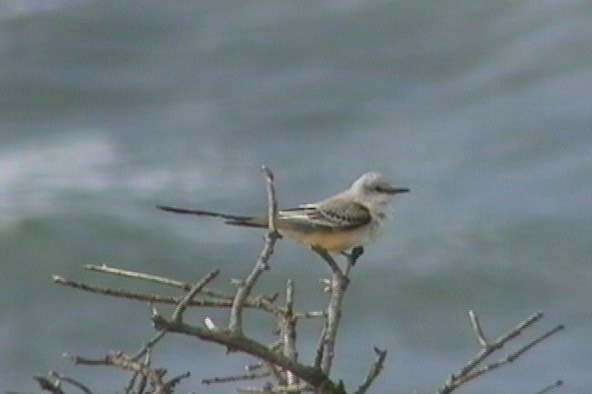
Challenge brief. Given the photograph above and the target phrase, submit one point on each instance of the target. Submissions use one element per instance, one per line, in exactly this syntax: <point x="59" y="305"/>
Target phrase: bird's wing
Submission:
<point x="329" y="214"/>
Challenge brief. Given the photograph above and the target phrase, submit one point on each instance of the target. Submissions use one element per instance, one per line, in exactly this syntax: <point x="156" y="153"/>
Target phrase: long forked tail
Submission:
<point x="230" y="219"/>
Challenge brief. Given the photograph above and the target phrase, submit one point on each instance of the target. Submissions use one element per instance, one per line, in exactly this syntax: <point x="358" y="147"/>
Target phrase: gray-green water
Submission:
<point x="482" y="108"/>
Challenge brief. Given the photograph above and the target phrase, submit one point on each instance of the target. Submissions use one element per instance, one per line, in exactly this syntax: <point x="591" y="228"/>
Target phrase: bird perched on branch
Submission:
<point x="347" y="220"/>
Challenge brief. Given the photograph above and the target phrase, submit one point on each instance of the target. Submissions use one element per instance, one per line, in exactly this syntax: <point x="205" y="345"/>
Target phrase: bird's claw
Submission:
<point x="354" y="255"/>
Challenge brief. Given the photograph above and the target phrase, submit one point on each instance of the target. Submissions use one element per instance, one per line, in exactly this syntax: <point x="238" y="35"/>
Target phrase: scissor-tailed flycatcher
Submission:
<point x="347" y="220"/>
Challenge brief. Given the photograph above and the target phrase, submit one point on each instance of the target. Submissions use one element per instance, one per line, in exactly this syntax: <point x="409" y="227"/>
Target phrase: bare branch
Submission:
<point x="263" y="303"/>
<point x="478" y="330"/>
<point x="71" y="381"/>
<point x="236" y="378"/>
<point x="272" y="204"/>
<point x="513" y="356"/>
<point x="532" y="344"/>
<point x="165" y="281"/>
<point x="338" y="286"/>
<point x="235" y="324"/>
<point x="239" y="342"/>
<point x="203" y="282"/>
<point x="470" y="371"/>
<point x="551" y="387"/>
<point x="268" y="389"/>
<point x="149" y="345"/>
<point x="374" y="371"/>
<point x="516" y="331"/>
<point x="288" y="330"/>
<point x="137" y="275"/>
<point x="331" y="262"/>
<point x="154" y="376"/>
<point x="121" y="361"/>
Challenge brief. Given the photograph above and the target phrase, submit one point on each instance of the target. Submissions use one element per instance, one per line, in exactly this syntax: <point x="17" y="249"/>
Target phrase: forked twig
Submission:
<point x="245" y="287"/>
<point x="471" y="371"/>
<point x="337" y="287"/>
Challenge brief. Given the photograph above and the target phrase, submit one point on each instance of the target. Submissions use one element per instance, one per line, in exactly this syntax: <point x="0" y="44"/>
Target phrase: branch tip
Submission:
<point x="209" y="323"/>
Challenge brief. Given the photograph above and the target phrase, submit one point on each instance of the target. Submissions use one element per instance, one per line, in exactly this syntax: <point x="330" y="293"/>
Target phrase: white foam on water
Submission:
<point x="17" y="8"/>
<point x="35" y="176"/>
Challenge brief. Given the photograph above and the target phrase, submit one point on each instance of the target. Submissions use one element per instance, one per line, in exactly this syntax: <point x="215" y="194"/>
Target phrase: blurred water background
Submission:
<point x="483" y="108"/>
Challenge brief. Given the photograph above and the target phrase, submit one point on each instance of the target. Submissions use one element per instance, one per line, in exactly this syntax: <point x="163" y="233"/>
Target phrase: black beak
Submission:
<point x="399" y="190"/>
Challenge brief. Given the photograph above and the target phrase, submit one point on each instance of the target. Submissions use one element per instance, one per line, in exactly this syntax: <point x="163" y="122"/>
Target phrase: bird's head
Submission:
<point x="373" y="190"/>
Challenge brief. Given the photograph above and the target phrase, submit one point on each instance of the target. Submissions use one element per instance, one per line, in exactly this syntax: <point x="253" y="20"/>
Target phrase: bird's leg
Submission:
<point x="354" y="255"/>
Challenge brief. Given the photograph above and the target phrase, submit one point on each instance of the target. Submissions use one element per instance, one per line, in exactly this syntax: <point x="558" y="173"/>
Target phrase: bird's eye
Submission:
<point x="379" y="189"/>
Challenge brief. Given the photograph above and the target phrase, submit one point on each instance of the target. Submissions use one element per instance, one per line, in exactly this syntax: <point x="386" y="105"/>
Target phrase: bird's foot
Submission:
<point x="354" y="255"/>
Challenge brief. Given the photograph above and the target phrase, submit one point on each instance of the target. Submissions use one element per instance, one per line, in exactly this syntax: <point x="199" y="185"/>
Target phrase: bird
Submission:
<point x="347" y="220"/>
